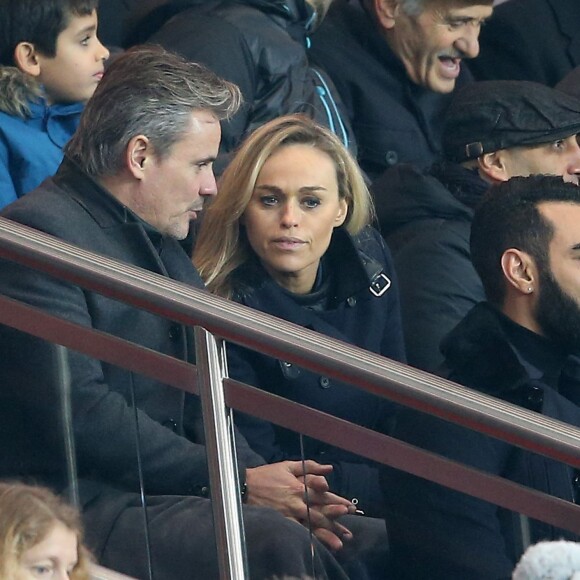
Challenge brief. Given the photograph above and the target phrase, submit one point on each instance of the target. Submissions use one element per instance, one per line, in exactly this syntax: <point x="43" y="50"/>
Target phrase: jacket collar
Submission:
<point x="17" y="92"/>
<point x="464" y="184"/>
<point x="414" y="195"/>
<point x="293" y="10"/>
<point x="105" y="209"/>
<point x="352" y="269"/>
<point x="567" y="15"/>
<point x="492" y="354"/>
<point x="21" y="96"/>
<point x="170" y="256"/>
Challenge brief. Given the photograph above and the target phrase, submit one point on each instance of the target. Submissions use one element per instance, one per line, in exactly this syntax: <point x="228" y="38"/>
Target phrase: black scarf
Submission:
<point x="464" y="184"/>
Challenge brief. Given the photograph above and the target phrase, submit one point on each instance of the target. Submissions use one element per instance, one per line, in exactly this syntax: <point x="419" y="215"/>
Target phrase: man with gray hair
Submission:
<point x="136" y="173"/>
<point x="395" y="64"/>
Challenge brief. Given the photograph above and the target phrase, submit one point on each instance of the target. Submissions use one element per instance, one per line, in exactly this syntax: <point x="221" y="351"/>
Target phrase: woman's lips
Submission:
<point x="288" y="243"/>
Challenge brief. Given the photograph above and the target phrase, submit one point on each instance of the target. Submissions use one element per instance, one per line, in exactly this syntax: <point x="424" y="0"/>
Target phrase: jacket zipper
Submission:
<point x="324" y="93"/>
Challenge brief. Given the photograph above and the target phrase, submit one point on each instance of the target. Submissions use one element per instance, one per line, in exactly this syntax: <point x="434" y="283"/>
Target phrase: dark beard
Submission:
<point x="558" y="314"/>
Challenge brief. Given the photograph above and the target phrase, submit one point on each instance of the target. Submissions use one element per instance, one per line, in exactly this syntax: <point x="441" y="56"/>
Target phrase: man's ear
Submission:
<point x="386" y="12"/>
<point x="138" y="155"/>
<point x="26" y="59"/>
<point x="520" y="270"/>
<point x="493" y="166"/>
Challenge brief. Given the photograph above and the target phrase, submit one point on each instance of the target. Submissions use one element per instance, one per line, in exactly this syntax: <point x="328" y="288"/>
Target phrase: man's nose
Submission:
<point x="209" y="185"/>
<point x="468" y="43"/>
<point x="573" y="168"/>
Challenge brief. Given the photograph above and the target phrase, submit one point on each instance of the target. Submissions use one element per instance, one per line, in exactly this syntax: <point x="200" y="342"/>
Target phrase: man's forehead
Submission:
<point x="470" y="11"/>
<point x="544" y="143"/>
<point x="564" y="217"/>
<point x="459" y="3"/>
<point x="483" y="8"/>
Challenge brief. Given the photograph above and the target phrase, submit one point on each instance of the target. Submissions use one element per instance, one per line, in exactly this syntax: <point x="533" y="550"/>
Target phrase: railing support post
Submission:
<point x="221" y="457"/>
<point x="63" y="380"/>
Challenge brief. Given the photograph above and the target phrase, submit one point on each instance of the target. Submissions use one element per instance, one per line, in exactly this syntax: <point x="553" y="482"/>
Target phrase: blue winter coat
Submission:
<point x="32" y="135"/>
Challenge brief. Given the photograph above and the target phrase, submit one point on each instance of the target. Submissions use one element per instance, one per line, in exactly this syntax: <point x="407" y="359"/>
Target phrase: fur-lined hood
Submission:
<point x="17" y="91"/>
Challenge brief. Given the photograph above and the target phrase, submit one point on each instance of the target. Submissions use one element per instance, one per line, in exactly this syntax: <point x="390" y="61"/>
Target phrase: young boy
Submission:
<point x="50" y="64"/>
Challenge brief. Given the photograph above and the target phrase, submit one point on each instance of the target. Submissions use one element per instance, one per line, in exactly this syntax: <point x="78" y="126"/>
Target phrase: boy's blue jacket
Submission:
<point x="32" y="134"/>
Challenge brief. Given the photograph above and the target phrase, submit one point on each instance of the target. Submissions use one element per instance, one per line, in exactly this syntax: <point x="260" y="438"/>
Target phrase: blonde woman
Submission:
<point x="40" y="536"/>
<point x="289" y="234"/>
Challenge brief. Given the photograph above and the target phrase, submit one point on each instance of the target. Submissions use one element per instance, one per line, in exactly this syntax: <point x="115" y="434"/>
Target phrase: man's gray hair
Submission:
<point x="146" y="91"/>
<point x="413" y="7"/>
<point x="416" y="7"/>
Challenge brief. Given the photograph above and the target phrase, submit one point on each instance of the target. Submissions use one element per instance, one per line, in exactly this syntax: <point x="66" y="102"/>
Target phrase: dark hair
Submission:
<point x="508" y="217"/>
<point x="146" y="91"/>
<point x="37" y="21"/>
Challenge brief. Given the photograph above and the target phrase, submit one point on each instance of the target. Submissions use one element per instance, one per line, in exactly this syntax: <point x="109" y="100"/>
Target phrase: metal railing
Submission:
<point x="284" y="340"/>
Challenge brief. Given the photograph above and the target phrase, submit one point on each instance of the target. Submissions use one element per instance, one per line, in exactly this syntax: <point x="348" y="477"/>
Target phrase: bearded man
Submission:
<point x="523" y="346"/>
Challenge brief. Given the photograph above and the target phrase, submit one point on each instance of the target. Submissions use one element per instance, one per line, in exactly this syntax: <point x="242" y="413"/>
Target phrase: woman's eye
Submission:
<point x="268" y="200"/>
<point x="311" y="203"/>
<point x="42" y="571"/>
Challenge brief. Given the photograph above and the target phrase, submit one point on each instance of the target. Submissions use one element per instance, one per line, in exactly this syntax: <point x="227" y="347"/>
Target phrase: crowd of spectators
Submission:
<point x="332" y="126"/>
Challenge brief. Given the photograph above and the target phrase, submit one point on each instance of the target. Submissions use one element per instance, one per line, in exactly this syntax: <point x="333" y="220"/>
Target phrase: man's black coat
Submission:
<point x="534" y="40"/>
<point x="441" y="534"/>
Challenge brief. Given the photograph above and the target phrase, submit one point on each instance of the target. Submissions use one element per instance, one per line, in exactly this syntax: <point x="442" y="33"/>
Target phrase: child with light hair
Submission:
<point x="40" y="536"/>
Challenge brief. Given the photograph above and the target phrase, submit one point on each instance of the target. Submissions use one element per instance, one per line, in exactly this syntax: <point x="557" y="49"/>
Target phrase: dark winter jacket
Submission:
<point x="261" y="46"/>
<point x="426" y="220"/>
<point x="533" y="40"/>
<point x="74" y="208"/>
<point x="394" y="120"/>
<point x="355" y="273"/>
<point x="438" y="533"/>
<point x="32" y="134"/>
<point x="112" y="16"/>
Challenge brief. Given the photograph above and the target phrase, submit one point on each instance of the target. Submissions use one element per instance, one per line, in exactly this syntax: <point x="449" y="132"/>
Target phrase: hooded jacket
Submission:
<point x="261" y="46"/>
<point x="425" y="218"/>
<point x="32" y="134"/>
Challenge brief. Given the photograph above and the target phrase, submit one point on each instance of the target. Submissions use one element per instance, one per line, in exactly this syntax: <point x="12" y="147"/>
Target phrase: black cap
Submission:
<point x="486" y="116"/>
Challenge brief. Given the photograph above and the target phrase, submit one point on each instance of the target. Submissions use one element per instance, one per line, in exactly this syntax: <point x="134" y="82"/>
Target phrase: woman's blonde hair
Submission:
<point x="222" y="246"/>
<point x="27" y="516"/>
